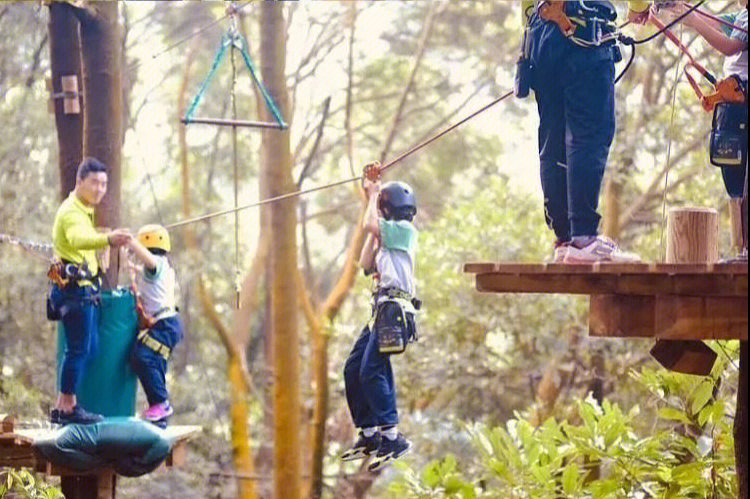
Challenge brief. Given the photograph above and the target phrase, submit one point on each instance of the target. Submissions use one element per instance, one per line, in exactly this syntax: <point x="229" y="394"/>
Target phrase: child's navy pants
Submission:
<point x="370" y="389"/>
<point x="151" y="367"/>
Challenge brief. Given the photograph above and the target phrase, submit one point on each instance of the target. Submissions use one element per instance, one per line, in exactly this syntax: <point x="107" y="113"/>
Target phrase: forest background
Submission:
<point x="504" y="395"/>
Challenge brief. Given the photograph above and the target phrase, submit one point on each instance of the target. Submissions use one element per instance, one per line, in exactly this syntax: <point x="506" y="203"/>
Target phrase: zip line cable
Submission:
<point x="630" y="41"/>
<point x="232" y="10"/>
<point x="384" y="167"/>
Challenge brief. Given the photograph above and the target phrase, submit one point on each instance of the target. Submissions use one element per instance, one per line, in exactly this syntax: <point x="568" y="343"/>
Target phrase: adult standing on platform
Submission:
<point x="572" y="75"/>
<point x="76" y="304"/>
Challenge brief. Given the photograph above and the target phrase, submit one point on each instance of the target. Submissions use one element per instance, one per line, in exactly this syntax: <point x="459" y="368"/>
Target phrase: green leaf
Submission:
<point x="431" y="474"/>
<point x="673" y="414"/>
<point x="453" y="484"/>
<point x="702" y="395"/>
<point x="570" y="478"/>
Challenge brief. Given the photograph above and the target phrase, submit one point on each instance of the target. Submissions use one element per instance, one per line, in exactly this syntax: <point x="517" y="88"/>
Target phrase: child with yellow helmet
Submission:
<point x="156" y="284"/>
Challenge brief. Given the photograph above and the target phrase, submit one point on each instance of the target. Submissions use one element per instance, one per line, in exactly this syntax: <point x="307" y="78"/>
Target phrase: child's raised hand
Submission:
<point x="673" y="10"/>
<point x="371" y="187"/>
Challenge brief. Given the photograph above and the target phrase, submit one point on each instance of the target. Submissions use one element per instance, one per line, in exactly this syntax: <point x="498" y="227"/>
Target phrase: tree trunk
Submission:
<point x="612" y="194"/>
<point x="101" y="48"/>
<point x="65" y="59"/>
<point x="740" y="425"/>
<point x="276" y="167"/>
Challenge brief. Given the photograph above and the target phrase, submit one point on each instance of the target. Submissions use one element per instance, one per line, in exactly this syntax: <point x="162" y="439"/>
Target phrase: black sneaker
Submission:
<point x="363" y="447"/>
<point x="389" y="449"/>
<point x="77" y="416"/>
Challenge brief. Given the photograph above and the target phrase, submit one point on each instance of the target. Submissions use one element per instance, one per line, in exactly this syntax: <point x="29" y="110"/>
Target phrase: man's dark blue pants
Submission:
<point x="370" y="389"/>
<point x="151" y="367"/>
<point x="574" y="88"/>
<point x="80" y="316"/>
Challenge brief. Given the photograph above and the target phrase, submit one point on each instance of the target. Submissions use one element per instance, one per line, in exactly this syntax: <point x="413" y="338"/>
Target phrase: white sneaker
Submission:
<point x="561" y="251"/>
<point x="558" y="255"/>
<point x="601" y="249"/>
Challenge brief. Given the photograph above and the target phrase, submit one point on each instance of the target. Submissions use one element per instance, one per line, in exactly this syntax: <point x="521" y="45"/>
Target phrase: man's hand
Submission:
<point x="638" y="17"/>
<point x="119" y="237"/>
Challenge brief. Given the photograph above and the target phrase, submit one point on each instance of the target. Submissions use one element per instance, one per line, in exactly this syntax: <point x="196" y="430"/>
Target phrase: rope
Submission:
<point x="669" y="158"/>
<point x="233" y="39"/>
<point x="236" y="183"/>
<point x="721" y="20"/>
<point x="629" y="41"/>
<point x="231" y="11"/>
<point x="386" y="166"/>
<point x="627" y="66"/>
<point x="41" y="251"/>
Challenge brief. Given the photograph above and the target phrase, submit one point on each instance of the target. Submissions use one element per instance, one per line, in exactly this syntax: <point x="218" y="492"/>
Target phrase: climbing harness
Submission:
<point x="153" y="344"/>
<point x="385" y="167"/>
<point x="233" y="40"/>
<point x="145" y="321"/>
<point x="587" y="26"/>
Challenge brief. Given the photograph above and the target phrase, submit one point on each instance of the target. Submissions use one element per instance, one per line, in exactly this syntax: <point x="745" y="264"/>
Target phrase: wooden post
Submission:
<point x="102" y="485"/>
<point x="692" y="237"/>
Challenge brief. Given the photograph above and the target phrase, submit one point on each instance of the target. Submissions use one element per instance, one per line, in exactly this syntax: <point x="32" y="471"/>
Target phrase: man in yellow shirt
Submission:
<point x="75" y="242"/>
<point x="572" y="75"/>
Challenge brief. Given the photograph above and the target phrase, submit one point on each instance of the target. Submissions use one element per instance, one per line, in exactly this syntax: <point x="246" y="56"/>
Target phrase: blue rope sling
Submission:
<point x="234" y="39"/>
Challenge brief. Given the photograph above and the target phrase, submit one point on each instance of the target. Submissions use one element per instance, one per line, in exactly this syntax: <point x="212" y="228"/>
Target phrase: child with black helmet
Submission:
<point x="388" y="253"/>
<point x="161" y="329"/>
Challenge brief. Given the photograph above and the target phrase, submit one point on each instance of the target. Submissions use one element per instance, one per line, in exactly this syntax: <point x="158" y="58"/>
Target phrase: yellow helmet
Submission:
<point x="154" y="236"/>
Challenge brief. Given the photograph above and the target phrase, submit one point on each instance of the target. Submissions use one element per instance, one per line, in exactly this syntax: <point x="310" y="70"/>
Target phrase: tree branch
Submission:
<point x="421" y="47"/>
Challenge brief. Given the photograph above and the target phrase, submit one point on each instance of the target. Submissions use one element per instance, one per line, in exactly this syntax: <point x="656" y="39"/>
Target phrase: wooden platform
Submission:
<point x="17" y="449"/>
<point x="667" y="301"/>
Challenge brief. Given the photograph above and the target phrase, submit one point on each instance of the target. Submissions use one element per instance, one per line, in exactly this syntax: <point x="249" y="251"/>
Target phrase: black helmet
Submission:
<point x="397" y="201"/>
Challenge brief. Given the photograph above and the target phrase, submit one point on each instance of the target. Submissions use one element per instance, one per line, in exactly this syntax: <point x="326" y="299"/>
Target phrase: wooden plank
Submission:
<point x="606" y="268"/>
<point x="705" y="318"/>
<point x="622" y="316"/>
<point x="668" y="317"/>
<point x="178" y="455"/>
<point x="606" y="283"/>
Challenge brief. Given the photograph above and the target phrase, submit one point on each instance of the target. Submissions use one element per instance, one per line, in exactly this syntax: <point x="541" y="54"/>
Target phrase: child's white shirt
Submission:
<point x="158" y="289"/>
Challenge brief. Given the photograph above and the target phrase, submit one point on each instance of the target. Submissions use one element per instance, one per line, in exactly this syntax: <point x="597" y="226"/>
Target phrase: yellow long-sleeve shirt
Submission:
<point x="73" y="234"/>
<point x="634" y="5"/>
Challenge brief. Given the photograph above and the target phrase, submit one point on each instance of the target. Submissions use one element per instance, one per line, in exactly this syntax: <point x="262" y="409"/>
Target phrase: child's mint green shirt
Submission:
<point x="395" y="259"/>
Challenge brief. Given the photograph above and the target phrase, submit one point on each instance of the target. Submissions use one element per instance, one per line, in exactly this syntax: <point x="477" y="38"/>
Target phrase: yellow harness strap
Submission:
<point x="155" y="345"/>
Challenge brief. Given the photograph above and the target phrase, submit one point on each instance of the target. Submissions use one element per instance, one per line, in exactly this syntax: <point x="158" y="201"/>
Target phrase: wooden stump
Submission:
<point x="692" y="237"/>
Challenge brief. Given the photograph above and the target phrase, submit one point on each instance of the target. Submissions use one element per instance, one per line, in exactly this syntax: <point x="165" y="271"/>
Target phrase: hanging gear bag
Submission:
<point x="393" y="321"/>
<point x="728" y="142"/>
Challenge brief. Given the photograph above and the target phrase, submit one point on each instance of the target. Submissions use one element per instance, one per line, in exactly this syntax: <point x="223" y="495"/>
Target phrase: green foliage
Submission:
<point x="23" y="484"/>
<point x="597" y="452"/>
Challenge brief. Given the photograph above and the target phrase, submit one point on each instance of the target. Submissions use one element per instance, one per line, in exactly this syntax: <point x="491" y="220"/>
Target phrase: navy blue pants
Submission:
<point x="370" y="389"/>
<point x="79" y="308"/>
<point x="574" y="88"/>
<point x="734" y="180"/>
<point x="151" y="367"/>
